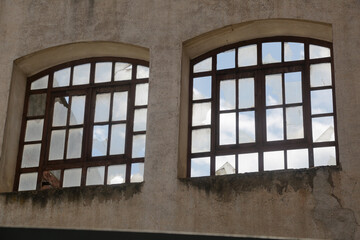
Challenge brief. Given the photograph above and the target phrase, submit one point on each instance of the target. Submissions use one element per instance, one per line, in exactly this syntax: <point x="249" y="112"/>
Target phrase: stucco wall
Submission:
<point x="316" y="203"/>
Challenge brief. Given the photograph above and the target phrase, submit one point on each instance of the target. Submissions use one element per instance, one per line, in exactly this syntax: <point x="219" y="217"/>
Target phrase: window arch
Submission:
<point x="84" y="123"/>
<point x="260" y="105"/>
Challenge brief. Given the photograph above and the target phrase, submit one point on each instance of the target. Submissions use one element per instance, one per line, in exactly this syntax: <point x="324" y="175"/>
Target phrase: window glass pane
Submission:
<point x="273" y="89"/>
<point x="248" y="162"/>
<point x="274" y="124"/>
<point x="37" y="103"/>
<point x="225" y="165"/>
<point x="293" y="51"/>
<point x="137" y="172"/>
<point x="293" y="88"/>
<point x="123" y="71"/>
<point x="62" y="78"/>
<point x="226" y="60"/>
<point x="61" y="106"/>
<point x="140" y="119"/>
<point x="200" y="167"/>
<point x="320" y="75"/>
<point x="27" y="181"/>
<point x="95" y="176"/>
<point x="57" y="144"/>
<point x="298" y="158"/>
<point x="77" y="110"/>
<point x="202" y="88"/>
<point x="116" y="174"/>
<point x="34" y="129"/>
<point x="203" y="66"/>
<point x="319" y="52"/>
<point x="119" y="106"/>
<point x="294" y="123"/>
<point x="271" y="52"/>
<point x="31" y="155"/>
<point x="102" y="107"/>
<point x="246" y="93"/>
<point x="200" y="140"/>
<point x="227" y="128"/>
<point x="141" y="95"/>
<point x="273" y="160"/>
<point x="323" y="129"/>
<point x="201" y="114"/>
<point x="40" y="83"/>
<point x="321" y="101"/>
<point x="81" y="74"/>
<point x="324" y="156"/>
<point x="100" y="140"/>
<point x="247" y="55"/>
<point x="117" y="145"/>
<point x="246" y="127"/>
<point x="72" y="177"/>
<point x="74" y="146"/>
<point x="142" y="72"/>
<point x="103" y="72"/>
<point x="138" y="150"/>
<point x="227" y="95"/>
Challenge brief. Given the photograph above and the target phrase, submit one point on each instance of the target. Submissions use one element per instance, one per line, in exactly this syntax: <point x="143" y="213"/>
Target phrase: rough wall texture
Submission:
<point x="319" y="203"/>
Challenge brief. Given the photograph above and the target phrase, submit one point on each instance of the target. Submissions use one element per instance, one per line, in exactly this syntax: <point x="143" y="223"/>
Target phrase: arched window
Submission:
<point x="261" y="105"/>
<point x="84" y="123"/>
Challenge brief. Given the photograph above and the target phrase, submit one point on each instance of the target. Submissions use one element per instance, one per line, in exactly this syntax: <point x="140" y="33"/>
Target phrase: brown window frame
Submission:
<point x="44" y="178"/>
<point x="258" y="71"/>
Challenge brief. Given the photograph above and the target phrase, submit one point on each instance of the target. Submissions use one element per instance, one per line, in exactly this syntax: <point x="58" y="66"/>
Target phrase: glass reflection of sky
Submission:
<point x="100" y="138"/>
<point x="273" y="89"/>
<point x="227" y="95"/>
<point x="297" y="158"/>
<point x="273" y="160"/>
<point x="271" y="52"/>
<point x="293" y="51"/>
<point x="321" y="101"/>
<point x="324" y="156"/>
<point x="137" y="172"/>
<point x="293" y="89"/>
<point x="200" y="167"/>
<point x="202" y="88"/>
<point x="323" y="129"/>
<point x="318" y="52"/>
<point x="226" y="60"/>
<point x="248" y="162"/>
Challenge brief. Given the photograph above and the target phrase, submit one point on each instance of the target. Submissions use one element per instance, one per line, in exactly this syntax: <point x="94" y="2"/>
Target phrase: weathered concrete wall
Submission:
<point x="318" y="203"/>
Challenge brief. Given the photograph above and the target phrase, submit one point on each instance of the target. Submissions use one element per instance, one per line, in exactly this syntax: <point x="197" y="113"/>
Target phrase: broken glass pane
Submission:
<point x="140" y="119"/>
<point x="81" y="74"/>
<point x="294" y="123"/>
<point x="117" y="144"/>
<point x="273" y="89"/>
<point x="37" y="103"/>
<point x="95" y="176"/>
<point x="102" y="107"/>
<point x="247" y="56"/>
<point x="203" y="66"/>
<point x="321" y="101"/>
<point x="27" y="181"/>
<point x="100" y="140"/>
<point x="246" y="93"/>
<point x="119" y="106"/>
<point x="116" y="174"/>
<point x="200" y="167"/>
<point x="74" y="143"/>
<point x="138" y="149"/>
<point x="227" y="128"/>
<point x="141" y="95"/>
<point x="202" y="88"/>
<point x="226" y="60"/>
<point x="271" y="52"/>
<point x="57" y="144"/>
<point x="72" y="177"/>
<point x="137" y="172"/>
<point x="293" y="92"/>
<point x="323" y="129"/>
<point x="62" y="78"/>
<point x="320" y="75"/>
<point x="123" y="71"/>
<point x="34" y="129"/>
<point x="201" y="114"/>
<point x="248" y="162"/>
<point x="142" y="72"/>
<point x="31" y="155"/>
<point x="273" y="160"/>
<point x="103" y="72"/>
<point x="297" y="158"/>
<point x="294" y="51"/>
<point x="227" y="95"/>
<point x="324" y="156"/>
<point x="200" y="140"/>
<point x="246" y="127"/>
<point x="319" y="52"/>
<point x="225" y="165"/>
<point x="274" y="124"/>
<point x="77" y="110"/>
<point x="40" y="83"/>
<point x="61" y="105"/>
